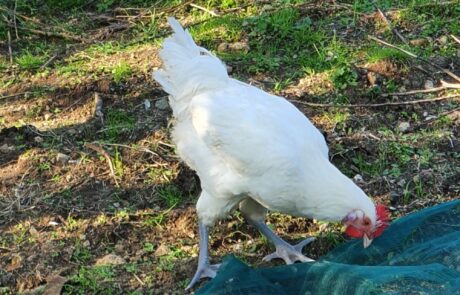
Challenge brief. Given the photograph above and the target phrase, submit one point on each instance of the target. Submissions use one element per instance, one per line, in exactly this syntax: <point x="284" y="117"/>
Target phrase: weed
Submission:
<point x="171" y="195"/>
<point x="91" y="280"/>
<point x="28" y="61"/>
<point x="344" y="77"/>
<point x="81" y="254"/>
<point x="118" y="164"/>
<point x="159" y="174"/>
<point x="121" y="72"/>
<point x="167" y="262"/>
<point x="117" y="121"/>
<point x="149" y="247"/>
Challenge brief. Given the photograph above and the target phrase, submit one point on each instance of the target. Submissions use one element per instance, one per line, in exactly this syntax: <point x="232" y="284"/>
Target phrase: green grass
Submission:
<point x="28" y="61"/>
<point x="170" y="195"/>
<point x="121" y="72"/>
<point x="91" y="280"/>
<point x="117" y="122"/>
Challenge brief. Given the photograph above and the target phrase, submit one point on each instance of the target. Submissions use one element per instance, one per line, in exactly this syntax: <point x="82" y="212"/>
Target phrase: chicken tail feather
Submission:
<point x="187" y="68"/>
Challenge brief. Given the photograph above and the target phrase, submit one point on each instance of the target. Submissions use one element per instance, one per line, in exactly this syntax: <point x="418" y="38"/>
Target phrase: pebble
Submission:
<point x="62" y="158"/>
<point x="429" y="84"/>
<point x="403" y="126"/>
<point x="162" y="104"/>
<point x="110" y="259"/>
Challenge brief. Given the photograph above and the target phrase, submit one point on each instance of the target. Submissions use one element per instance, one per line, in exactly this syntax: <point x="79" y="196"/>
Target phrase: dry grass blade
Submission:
<point x="444" y="86"/>
<point x="204" y="9"/>
<point x="457" y="78"/>
<point x="456" y="39"/>
<point x="375" y="105"/>
<point x="100" y="150"/>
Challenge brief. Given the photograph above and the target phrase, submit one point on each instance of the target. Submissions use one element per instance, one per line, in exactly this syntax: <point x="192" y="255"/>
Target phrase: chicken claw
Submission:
<point x="284" y="250"/>
<point x="290" y="253"/>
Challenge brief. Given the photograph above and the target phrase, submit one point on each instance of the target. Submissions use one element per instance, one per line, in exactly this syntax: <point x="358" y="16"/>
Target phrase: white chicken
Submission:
<point x="255" y="151"/>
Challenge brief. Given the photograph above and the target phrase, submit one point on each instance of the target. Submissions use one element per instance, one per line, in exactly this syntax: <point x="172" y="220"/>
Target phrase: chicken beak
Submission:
<point x="366" y="241"/>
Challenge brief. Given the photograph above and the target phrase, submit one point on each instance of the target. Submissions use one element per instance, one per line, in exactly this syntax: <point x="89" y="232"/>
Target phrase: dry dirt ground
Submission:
<point x="93" y="198"/>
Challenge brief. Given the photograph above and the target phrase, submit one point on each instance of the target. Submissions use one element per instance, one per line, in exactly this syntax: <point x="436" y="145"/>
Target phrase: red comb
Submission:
<point x="383" y="217"/>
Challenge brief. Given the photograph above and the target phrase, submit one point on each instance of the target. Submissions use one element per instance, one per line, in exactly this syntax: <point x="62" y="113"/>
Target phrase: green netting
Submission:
<point x="417" y="254"/>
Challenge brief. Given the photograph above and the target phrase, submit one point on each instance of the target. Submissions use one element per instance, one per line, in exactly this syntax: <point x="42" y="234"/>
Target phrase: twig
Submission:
<point x="444" y="85"/>
<point x="98" y="102"/>
<point x="456" y="39"/>
<point x="374" y="105"/>
<point x="62" y="35"/>
<point x="138" y="279"/>
<point x="457" y="78"/>
<point x="14" y="19"/>
<point x="204" y="9"/>
<point x="10" y="51"/>
<point x="131" y="147"/>
<point x="101" y="151"/>
<point x="385" y="18"/>
<point x="50" y="60"/>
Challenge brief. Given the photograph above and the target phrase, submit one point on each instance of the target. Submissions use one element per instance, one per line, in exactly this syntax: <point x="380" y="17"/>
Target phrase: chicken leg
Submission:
<point x="255" y="214"/>
<point x="204" y="269"/>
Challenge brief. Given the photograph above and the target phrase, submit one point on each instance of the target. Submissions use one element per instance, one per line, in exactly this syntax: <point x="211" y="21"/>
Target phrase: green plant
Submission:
<point x="170" y="194"/>
<point x="344" y="77"/>
<point x="91" y="280"/>
<point x="28" y="61"/>
<point x="121" y="72"/>
<point x="117" y="121"/>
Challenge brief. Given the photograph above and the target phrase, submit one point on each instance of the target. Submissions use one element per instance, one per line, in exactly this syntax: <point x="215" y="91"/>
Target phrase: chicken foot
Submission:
<point x="289" y="253"/>
<point x="204" y="269"/>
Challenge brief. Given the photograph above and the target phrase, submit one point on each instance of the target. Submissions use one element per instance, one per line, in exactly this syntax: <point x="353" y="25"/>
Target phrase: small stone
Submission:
<point x="442" y="40"/>
<point x="47" y="116"/>
<point x="239" y="46"/>
<point x="429" y="84"/>
<point x="358" y="178"/>
<point x="33" y="232"/>
<point x="38" y="139"/>
<point x="110" y="259"/>
<point x="119" y="248"/>
<point x="162" y="250"/>
<point x="86" y="244"/>
<point x="6" y="148"/>
<point x="403" y="126"/>
<point x="62" y="158"/>
<point x="147" y="104"/>
<point x="162" y="104"/>
<point x="229" y="69"/>
<point x="418" y="42"/>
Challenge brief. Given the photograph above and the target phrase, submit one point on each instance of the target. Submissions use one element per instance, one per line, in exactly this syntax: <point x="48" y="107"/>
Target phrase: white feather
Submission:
<point x="244" y="142"/>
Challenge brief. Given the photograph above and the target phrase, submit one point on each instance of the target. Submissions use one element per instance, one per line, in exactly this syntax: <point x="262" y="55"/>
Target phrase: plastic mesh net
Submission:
<point x="417" y="254"/>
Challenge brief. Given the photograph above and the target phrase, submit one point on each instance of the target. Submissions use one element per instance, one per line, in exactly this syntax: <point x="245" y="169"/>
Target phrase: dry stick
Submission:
<point x="374" y="105"/>
<point x="10" y="51"/>
<point x="14" y="19"/>
<point x="457" y="78"/>
<point x="385" y="18"/>
<point x="456" y="39"/>
<point x="50" y="60"/>
<point x="444" y="85"/>
<point x="101" y="151"/>
<point x="62" y="35"/>
<point x="204" y="9"/>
